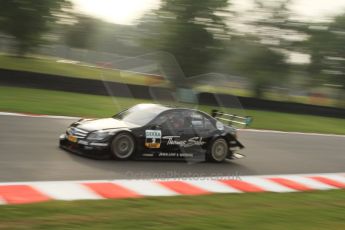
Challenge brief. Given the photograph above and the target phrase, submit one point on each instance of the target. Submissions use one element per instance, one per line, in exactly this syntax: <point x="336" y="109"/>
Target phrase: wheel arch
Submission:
<point x="210" y="144"/>
<point x="129" y="132"/>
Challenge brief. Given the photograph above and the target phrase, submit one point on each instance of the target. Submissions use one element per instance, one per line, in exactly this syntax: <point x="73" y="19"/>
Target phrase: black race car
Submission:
<point x="156" y="132"/>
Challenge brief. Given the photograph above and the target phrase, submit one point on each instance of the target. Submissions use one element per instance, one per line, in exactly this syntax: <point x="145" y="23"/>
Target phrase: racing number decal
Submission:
<point x="153" y="139"/>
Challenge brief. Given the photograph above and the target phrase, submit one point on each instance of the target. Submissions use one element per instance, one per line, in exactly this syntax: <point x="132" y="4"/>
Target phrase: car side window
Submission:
<point x="170" y="120"/>
<point x="187" y="119"/>
<point x="200" y="121"/>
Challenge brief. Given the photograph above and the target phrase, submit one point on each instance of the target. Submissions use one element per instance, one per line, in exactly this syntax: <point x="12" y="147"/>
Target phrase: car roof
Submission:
<point x="163" y="108"/>
<point x="151" y="106"/>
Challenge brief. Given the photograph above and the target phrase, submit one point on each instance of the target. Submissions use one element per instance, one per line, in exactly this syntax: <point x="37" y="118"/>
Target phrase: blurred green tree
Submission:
<point x="262" y="65"/>
<point x="28" y="20"/>
<point x="260" y="51"/>
<point x="327" y="48"/>
<point x="191" y="30"/>
<point x="90" y="33"/>
<point x="83" y="33"/>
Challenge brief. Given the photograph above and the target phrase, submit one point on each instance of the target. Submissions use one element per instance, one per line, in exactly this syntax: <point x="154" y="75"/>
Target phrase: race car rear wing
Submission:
<point x="232" y="119"/>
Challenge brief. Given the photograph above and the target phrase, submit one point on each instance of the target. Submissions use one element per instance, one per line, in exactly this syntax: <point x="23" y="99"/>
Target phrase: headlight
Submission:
<point x="98" y="135"/>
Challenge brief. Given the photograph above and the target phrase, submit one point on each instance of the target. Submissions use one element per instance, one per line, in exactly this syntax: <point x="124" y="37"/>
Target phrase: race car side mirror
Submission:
<point x="248" y="121"/>
<point x="214" y="113"/>
<point x="155" y="127"/>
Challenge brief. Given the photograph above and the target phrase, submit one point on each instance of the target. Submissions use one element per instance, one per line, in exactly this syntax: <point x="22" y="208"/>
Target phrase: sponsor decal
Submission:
<point x="194" y="141"/>
<point x="220" y="125"/>
<point x="176" y="155"/>
<point x="167" y="154"/>
<point x="186" y="155"/>
<point x="153" y="139"/>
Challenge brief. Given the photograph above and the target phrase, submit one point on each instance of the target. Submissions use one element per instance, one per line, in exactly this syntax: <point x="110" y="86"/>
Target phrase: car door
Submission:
<point x="203" y="130"/>
<point x="175" y="133"/>
<point x="162" y="137"/>
<point x="183" y="137"/>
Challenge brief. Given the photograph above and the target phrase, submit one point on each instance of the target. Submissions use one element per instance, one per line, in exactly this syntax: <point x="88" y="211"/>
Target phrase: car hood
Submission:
<point x="105" y="123"/>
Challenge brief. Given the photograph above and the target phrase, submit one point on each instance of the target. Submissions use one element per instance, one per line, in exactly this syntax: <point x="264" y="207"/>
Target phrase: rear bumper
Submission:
<point x="90" y="149"/>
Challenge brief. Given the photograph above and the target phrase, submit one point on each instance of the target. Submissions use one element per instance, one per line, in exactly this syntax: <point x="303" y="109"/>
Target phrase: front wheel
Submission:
<point x="123" y="146"/>
<point x="219" y="150"/>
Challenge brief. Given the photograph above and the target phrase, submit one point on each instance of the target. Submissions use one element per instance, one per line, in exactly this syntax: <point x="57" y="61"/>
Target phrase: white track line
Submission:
<point x="295" y="133"/>
<point x="37" y="115"/>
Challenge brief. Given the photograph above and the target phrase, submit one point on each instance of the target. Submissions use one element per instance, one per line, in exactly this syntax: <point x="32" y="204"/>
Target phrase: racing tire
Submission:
<point x="218" y="150"/>
<point x="122" y="146"/>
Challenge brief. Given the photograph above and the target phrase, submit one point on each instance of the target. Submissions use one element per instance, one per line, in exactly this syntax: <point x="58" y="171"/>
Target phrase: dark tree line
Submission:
<point x="192" y="31"/>
<point x="28" y="20"/>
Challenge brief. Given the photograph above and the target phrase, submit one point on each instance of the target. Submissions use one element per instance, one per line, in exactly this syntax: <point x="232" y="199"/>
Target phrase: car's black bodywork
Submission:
<point x="159" y="132"/>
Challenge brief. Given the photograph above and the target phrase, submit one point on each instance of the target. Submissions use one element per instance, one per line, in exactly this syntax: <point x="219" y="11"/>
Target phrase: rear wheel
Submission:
<point x="123" y="146"/>
<point x="219" y="150"/>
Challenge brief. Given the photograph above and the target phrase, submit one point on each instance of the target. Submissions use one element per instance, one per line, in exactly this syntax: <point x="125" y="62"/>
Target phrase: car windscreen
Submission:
<point x="140" y="114"/>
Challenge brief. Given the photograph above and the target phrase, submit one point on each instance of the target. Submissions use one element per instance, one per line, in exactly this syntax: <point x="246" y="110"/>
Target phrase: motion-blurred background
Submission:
<point x="281" y="50"/>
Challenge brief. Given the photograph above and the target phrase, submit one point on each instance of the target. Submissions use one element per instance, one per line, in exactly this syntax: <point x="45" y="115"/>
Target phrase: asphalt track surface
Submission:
<point x="29" y="152"/>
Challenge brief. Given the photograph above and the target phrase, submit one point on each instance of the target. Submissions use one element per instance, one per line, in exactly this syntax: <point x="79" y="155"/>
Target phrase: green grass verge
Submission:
<point x="296" y="122"/>
<point x="74" y="104"/>
<point x="309" y="210"/>
<point x="51" y="66"/>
